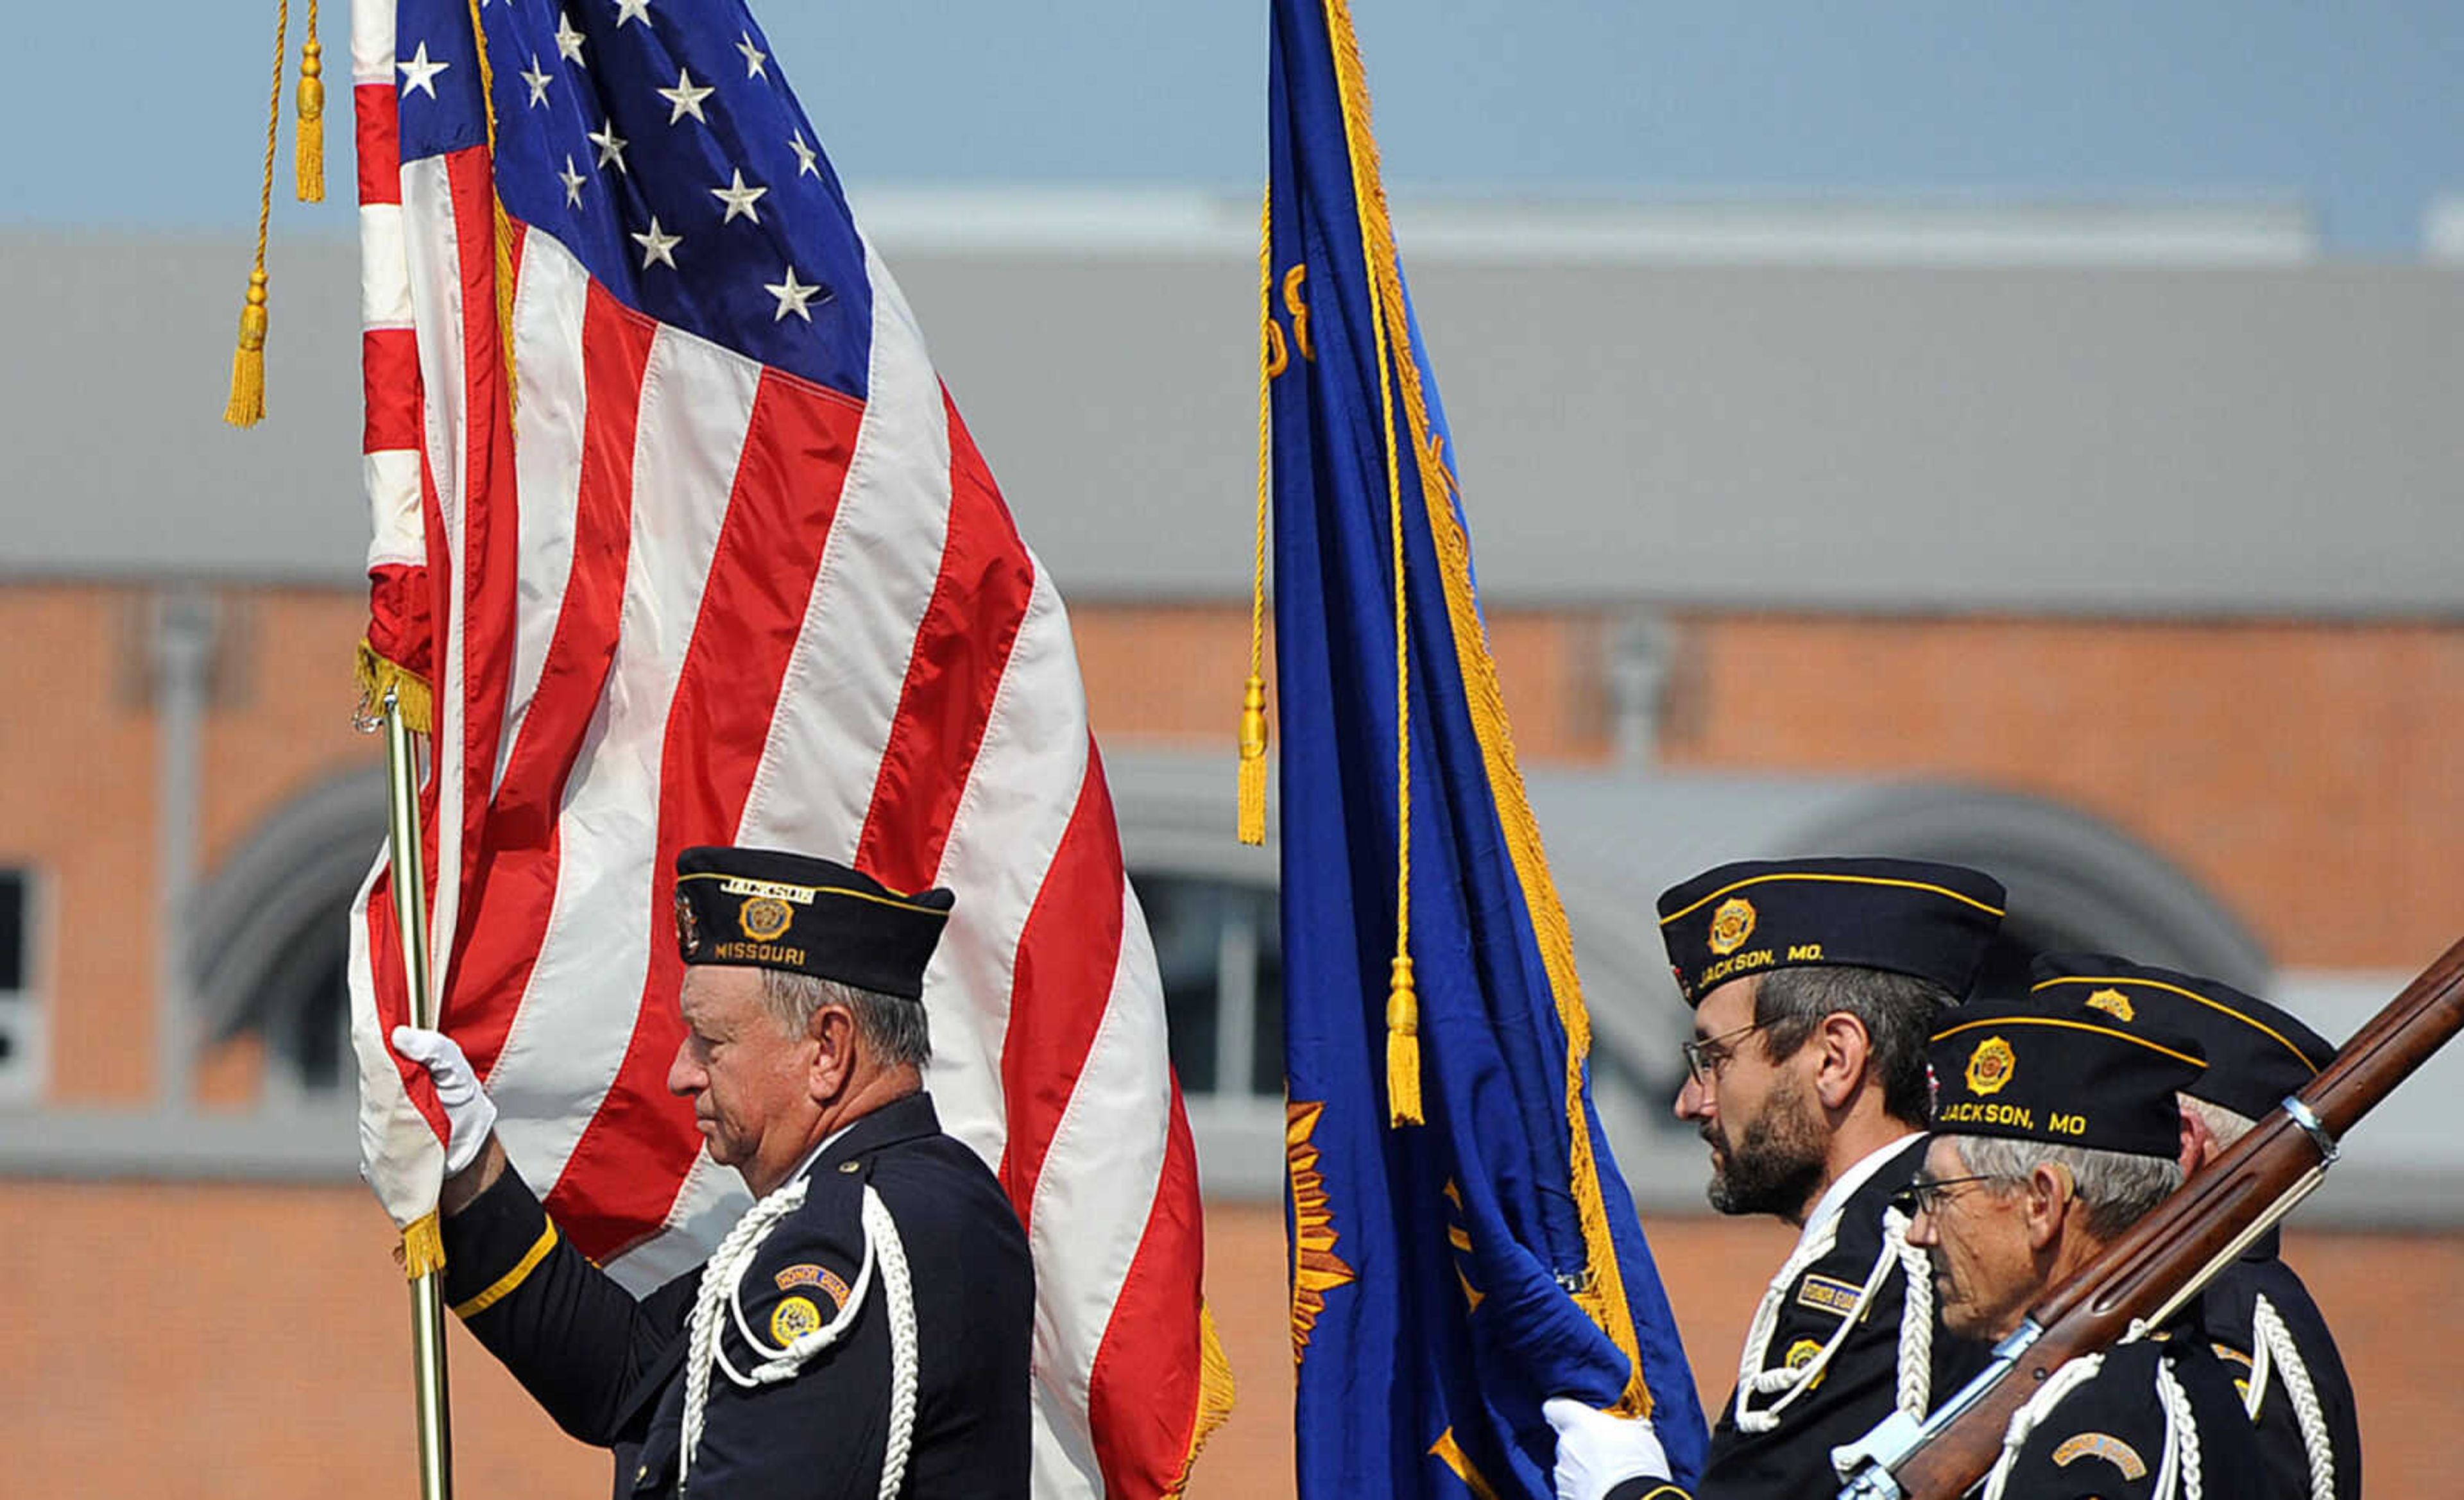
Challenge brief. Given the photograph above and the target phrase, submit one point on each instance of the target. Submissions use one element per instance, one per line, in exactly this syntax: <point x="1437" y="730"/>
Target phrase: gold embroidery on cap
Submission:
<point x="1731" y="925"/>
<point x="764" y="918"/>
<point x="2113" y="1002"/>
<point x="1990" y="1066"/>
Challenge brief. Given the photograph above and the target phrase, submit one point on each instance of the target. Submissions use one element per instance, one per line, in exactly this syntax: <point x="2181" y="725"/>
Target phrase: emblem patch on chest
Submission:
<point x="2104" y="1445"/>
<point x="1801" y="1355"/>
<point x="1822" y="1295"/>
<point x="793" y="1317"/>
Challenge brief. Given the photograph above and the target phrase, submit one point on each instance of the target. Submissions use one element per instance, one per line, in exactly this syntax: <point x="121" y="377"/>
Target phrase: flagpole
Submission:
<point x="429" y="1395"/>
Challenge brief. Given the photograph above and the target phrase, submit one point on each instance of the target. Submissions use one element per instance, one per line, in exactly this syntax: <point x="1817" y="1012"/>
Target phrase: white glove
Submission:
<point x="469" y="1115"/>
<point x="1598" y="1450"/>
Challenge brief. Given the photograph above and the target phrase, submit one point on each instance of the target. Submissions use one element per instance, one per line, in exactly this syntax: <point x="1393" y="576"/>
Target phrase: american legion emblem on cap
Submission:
<point x="2058" y="1071"/>
<point x="2257" y="1054"/>
<point x="767" y="909"/>
<point x="1909" y="916"/>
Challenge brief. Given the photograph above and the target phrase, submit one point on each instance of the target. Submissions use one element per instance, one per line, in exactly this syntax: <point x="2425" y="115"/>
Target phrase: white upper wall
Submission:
<point x="1819" y="407"/>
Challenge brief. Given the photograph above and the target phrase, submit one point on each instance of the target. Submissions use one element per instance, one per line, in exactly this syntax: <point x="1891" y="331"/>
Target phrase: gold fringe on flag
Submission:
<point x="377" y="674"/>
<point x="247" y="405"/>
<point x="308" y="154"/>
<point x="423" y="1246"/>
<point x="1215" y="1393"/>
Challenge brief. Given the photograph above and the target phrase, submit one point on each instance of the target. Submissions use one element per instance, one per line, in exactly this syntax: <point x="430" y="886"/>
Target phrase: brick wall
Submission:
<point x="253" y="1343"/>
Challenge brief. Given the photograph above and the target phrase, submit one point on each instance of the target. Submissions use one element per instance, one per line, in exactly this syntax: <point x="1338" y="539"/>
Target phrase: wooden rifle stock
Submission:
<point x="2170" y="1255"/>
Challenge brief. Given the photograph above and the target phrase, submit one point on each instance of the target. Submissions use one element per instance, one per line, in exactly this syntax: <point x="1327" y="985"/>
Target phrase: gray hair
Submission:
<point x="2118" y="1187"/>
<point x="1897" y="1011"/>
<point x="2225" y="1125"/>
<point x="894" y="1029"/>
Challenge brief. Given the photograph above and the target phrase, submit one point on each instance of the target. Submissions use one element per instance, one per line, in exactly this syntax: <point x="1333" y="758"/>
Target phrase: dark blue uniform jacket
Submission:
<point x="2227" y="1307"/>
<point x="611" y="1368"/>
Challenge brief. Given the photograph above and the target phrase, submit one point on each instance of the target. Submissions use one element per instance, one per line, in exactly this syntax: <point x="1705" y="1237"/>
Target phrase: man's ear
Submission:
<point x="832" y="1031"/>
<point x="1844" y="1050"/>
<point x="2046" y="1197"/>
<point x="2199" y="1145"/>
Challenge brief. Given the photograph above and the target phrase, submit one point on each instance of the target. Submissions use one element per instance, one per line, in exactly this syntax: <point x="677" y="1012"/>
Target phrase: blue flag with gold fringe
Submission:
<point x="1463" y="1247"/>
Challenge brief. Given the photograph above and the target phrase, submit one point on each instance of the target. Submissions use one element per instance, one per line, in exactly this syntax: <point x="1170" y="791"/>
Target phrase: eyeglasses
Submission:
<point x="1926" y="1198"/>
<point x="1705" y="1058"/>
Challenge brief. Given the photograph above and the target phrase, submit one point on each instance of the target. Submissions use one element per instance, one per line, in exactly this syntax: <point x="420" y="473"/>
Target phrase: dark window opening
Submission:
<point x="1219" y="952"/>
<point x="12" y="930"/>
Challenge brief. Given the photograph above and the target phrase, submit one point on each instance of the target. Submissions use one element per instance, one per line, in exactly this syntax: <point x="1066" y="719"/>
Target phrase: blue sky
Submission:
<point x="2355" y="110"/>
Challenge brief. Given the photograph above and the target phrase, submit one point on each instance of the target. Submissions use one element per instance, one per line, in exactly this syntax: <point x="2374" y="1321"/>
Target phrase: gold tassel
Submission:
<point x="308" y="159"/>
<point x="1253" y="761"/>
<point x="1402" y="1047"/>
<point x="246" y="405"/>
<point x="376" y="673"/>
<point x="423" y="1246"/>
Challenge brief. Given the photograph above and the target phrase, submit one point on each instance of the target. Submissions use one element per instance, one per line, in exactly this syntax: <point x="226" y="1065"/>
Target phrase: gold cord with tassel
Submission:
<point x="1603" y="1296"/>
<point x="308" y="154"/>
<point x="1271" y="360"/>
<point x="1368" y="205"/>
<point x="504" y="226"/>
<point x="247" y="405"/>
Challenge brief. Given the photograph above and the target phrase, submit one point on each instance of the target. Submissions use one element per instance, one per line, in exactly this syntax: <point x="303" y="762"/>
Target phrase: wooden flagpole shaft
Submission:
<point x="429" y="1397"/>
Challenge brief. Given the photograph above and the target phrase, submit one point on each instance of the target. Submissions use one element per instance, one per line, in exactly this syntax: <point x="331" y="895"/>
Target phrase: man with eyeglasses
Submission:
<point x="2055" y="1130"/>
<point x="1814" y="985"/>
<point x="2259" y="1318"/>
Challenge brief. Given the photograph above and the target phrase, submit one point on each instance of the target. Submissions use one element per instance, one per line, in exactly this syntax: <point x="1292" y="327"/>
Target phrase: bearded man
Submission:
<point x="1815" y="983"/>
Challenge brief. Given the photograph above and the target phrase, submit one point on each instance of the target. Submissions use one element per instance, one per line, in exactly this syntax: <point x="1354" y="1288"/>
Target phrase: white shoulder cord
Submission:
<point x="2179" y="1473"/>
<point x="1916" y="1317"/>
<point x="1916" y="1328"/>
<point x="2023" y="1422"/>
<point x="721" y="1283"/>
<point x="1751" y="1378"/>
<point x="2275" y="1348"/>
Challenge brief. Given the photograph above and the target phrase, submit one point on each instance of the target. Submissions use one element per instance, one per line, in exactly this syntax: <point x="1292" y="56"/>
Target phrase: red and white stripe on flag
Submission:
<point x="700" y="601"/>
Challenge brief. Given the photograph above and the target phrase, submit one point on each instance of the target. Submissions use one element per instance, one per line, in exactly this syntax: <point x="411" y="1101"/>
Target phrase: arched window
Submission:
<point x="270" y="940"/>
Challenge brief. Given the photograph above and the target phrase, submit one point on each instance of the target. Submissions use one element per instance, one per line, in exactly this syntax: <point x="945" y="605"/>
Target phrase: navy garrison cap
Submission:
<point x="2256" y="1054"/>
<point x="2053" y="1068"/>
<point x="1934" y="921"/>
<point x="761" y="908"/>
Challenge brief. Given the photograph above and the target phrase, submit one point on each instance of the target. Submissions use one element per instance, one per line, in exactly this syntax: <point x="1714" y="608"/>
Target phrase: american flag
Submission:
<point x="730" y="571"/>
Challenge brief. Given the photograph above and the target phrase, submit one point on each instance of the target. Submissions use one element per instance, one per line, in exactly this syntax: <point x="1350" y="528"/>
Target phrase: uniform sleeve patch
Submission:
<point x="2104" y="1445"/>
<point x="1838" y="1298"/>
<point x="831" y="1284"/>
<point x="793" y="1317"/>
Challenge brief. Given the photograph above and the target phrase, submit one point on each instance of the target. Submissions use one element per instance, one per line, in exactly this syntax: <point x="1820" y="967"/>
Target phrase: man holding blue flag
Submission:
<point x="1816" y="984"/>
<point x="1467" y="1262"/>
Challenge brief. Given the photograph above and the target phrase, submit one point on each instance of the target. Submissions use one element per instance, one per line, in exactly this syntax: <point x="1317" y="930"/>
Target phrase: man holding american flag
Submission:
<point x="681" y="544"/>
<point x="868" y="1319"/>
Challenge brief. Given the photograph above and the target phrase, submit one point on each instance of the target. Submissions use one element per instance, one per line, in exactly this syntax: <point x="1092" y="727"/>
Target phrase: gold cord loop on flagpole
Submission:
<point x="1271" y="360"/>
<point x="308" y="153"/>
<point x="246" y="407"/>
